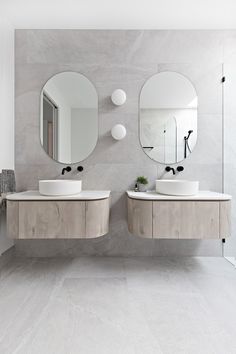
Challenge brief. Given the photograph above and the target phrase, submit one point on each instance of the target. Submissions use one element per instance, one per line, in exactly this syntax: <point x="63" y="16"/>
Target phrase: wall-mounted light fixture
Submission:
<point x="118" y="97"/>
<point x="118" y="132"/>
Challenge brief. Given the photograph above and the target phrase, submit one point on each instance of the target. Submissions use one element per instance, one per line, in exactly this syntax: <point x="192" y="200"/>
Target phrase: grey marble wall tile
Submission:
<point x="122" y="59"/>
<point x="27" y="176"/>
<point x="27" y="106"/>
<point x="117" y="177"/>
<point x="180" y="46"/>
<point x="88" y="46"/>
<point x="208" y="149"/>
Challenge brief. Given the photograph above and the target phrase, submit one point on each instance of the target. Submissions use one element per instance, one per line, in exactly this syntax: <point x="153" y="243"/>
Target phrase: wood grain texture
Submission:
<point x="13" y="219"/>
<point x="140" y="217"/>
<point x="97" y="217"/>
<point x="186" y="219"/>
<point x="200" y="220"/>
<point x="225" y="219"/>
<point x="58" y="219"/>
<point x="61" y="219"/>
<point x="166" y="219"/>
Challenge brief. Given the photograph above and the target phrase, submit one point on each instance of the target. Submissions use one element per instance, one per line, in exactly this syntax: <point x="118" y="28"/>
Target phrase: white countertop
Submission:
<point x="202" y="195"/>
<point x="35" y="195"/>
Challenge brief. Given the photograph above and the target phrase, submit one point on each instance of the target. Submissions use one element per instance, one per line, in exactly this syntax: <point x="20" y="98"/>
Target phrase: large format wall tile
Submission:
<point x="121" y="59"/>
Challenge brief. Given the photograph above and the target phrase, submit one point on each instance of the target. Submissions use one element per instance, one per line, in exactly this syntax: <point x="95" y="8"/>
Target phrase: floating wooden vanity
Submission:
<point x="33" y="216"/>
<point x="204" y="216"/>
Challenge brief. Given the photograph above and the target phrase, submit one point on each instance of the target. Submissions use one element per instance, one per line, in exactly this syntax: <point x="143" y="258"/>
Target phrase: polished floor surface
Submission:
<point x="115" y="305"/>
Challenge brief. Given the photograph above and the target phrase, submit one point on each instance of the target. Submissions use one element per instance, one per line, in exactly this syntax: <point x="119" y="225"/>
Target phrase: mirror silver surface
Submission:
<point x="168" y="117"/>
<point x="69" y="117"/>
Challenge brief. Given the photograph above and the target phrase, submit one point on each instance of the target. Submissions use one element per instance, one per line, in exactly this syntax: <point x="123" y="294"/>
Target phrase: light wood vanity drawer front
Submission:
<point x="54" y="219"/>
<point x="186" y="219"/>
<point x="57" y="219"/>
<point x="166" y="219"/>
<point x="140" y="217"/>
<point x="97" y="218"/>
<point x="225" y="218"/>
<point x="13" y="220"/>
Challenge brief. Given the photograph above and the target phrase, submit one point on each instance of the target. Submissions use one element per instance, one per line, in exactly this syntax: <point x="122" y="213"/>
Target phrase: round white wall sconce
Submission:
<point x="118" y="132"/>
<point x="118" y="97"/>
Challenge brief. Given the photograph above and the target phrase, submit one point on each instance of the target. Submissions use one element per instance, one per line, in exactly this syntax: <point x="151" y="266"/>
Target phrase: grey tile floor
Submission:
<point x="116" y="305"/>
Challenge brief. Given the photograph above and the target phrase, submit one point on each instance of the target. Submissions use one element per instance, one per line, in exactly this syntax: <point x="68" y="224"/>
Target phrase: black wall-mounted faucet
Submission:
<point x="168" y="169"/>
<point x="66" y="169"/>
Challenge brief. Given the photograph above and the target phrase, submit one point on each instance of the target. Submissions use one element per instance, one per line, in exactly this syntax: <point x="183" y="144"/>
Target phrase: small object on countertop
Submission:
<point x="142" y="183"/>
<point x="136" y="187"/>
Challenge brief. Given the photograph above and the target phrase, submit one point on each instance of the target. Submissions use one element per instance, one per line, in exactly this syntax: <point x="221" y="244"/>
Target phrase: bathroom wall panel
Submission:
<point x="119" y="59"/>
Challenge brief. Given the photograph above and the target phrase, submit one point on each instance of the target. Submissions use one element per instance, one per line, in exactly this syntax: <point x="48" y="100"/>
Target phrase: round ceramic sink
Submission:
<point x="59" y="187"/>
<point x="177" y="187"/>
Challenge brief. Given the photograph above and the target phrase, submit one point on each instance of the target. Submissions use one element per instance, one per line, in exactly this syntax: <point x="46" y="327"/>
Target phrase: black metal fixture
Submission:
<point x="80" y="168"/>
<point x="66" y="169"/>
<point x="186" y="144"/>
<point x="180" y="168"/>
<point x="168" y="169"/>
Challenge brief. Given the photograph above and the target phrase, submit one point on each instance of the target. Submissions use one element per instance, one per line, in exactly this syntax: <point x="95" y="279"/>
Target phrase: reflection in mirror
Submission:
<point x="69" y="117"/>
<point x="168" y="117"/>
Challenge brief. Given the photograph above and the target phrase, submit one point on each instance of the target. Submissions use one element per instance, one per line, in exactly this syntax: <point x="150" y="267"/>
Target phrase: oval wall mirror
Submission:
<point x="69" y="117"/>
<point x="168" y="117"/>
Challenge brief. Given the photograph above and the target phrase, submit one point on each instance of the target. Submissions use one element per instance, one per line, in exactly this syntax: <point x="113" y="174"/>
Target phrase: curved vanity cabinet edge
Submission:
<point x="205" y="216"/>
<point x="71" y="217"/>
<point x="140" y="217"/>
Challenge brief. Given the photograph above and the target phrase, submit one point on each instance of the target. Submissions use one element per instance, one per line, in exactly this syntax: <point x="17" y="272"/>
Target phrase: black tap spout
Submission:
<point x="168" y="169"/>
<point x="66" y="169"/>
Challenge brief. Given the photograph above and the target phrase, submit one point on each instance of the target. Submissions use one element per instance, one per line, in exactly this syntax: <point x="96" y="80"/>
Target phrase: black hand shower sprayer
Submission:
<point x="186" y="144"/>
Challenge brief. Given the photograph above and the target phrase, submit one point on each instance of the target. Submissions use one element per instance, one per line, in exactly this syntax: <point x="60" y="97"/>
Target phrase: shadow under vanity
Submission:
<point x="85" y="116"/>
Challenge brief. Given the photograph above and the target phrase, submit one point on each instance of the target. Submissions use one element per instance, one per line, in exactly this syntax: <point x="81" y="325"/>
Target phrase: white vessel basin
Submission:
<point x="177" y="187"/>
<point x="59" y="187"/>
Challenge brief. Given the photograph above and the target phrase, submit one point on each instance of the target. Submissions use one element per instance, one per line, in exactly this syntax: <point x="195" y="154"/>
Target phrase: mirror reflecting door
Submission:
<point x="69" y="117"/>
<point x="50" y="126"/>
